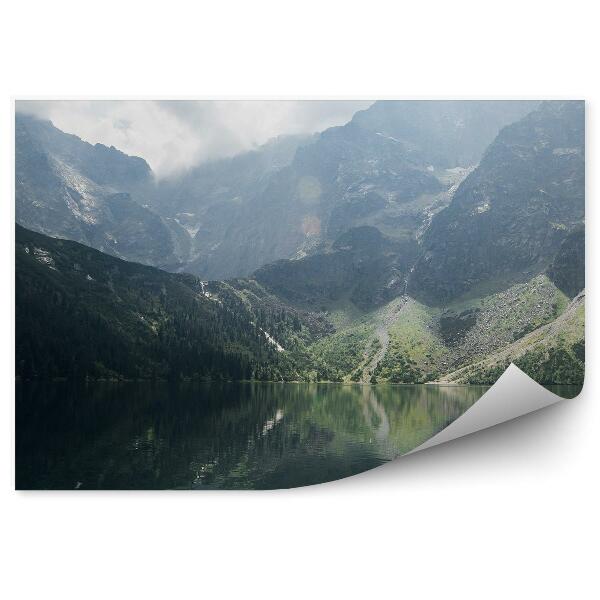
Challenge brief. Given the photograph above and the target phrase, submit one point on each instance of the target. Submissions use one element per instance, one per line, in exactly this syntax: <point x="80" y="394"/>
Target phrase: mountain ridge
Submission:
<point x="284" y="200"/>
<point x="346" y="256"/>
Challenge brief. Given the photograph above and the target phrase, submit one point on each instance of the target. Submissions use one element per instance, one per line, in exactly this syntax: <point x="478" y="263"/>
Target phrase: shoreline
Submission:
<point x="19" y="380"/>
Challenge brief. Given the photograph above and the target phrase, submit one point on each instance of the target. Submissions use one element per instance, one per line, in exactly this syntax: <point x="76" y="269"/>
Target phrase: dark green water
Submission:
<point x="207" y="436"/>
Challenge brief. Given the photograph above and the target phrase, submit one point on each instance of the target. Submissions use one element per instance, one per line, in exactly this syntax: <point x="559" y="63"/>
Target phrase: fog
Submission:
<point x="174" y="135"/>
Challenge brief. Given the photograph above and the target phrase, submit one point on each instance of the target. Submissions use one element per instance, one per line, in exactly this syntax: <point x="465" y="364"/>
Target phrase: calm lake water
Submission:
<point x="220" y="436"/>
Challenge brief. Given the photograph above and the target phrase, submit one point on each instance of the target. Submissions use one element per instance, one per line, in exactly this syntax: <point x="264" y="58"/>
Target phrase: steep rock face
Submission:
<point x="347" y="178"/>
<point x="102" y="164"/>
<point x="510" y="216"/>
<point x="567" y="270"/>
<point x="68" y="188"/>
<point x="445" y="133"/>
<point x="362" y="266"/>
<point x="391" y="167"/>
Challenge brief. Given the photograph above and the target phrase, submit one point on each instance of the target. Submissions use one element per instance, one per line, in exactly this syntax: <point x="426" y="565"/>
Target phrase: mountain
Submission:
<point x="206" y="202"/>
<point x="444" y="133"/>
<point x="82" y="313"/>
<point x="219" y="181"/>
<point x="344" y="179"/>
<point x="392" y="166"/>
<point x="387" y="249"/>
<point x="68" y="188"/>
<point x="362" y="266"/>
<point x="385" y="169"/>
<point x="509" y="217"/>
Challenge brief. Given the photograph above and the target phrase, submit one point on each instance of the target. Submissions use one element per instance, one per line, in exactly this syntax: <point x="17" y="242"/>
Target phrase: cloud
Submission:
<point x="174" y="135"/>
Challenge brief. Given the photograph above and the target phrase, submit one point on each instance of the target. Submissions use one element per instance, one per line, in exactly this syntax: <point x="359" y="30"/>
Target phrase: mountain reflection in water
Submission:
<point x="220" y="435"/>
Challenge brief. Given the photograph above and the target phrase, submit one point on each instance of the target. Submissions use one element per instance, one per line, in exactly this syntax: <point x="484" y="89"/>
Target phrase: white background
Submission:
<point x="507" y="513"/>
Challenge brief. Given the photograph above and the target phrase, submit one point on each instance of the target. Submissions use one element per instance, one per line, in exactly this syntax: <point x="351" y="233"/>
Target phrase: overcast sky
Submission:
<point x="175" y="135"/>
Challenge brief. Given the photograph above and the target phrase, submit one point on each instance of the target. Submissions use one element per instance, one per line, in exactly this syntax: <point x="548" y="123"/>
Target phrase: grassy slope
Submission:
<point x="425" y="343"/>
<point x="415" y="353"/>
<point x="348" y="346"/>
<point x="552" y="353"/>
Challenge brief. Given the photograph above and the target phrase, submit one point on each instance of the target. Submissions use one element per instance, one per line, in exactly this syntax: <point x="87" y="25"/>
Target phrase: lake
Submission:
<point x="220" y="435"/>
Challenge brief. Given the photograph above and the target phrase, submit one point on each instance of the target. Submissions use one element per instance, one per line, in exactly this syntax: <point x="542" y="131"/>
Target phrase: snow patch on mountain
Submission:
<point x="388" y="137"/>
<point x="43" y="257"/>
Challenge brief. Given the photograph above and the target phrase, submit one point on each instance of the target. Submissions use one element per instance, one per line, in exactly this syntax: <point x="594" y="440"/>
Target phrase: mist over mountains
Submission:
<point x="229" y="217"/>
<point x="408" y="235"/>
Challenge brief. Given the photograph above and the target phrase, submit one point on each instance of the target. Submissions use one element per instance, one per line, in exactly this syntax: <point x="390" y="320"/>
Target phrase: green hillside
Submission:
<point x="81" y="313"/>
